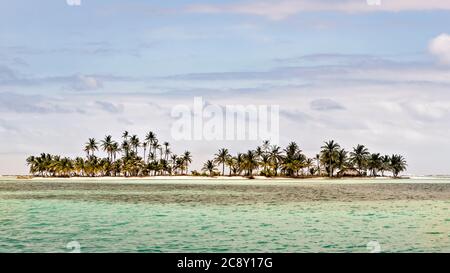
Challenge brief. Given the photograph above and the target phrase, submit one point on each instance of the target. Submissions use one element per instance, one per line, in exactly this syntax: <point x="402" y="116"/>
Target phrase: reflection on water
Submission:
<point x="30" y="225"/>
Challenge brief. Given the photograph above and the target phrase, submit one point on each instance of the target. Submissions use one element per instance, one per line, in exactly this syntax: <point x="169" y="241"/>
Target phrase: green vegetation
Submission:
<point x="332" y="161"/>
<point x="267" y="160"/>
<point x="157" y="159"/>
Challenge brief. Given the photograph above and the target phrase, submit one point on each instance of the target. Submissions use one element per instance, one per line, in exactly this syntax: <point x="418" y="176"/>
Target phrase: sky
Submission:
<point x="351" y="70"/>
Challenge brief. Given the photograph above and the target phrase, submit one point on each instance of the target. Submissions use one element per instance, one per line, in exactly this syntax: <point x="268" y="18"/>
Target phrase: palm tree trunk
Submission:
<point x="318" y="166"/>
<point x="330" y="170"/>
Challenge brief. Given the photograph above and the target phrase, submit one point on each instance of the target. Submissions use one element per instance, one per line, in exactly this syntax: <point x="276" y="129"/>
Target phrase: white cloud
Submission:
<point x="391" y="107"/>
<point x="109" y="107"/>
<point x="325" y="105"/>
<point x="82" y="82"/>
<point x="440" y="48"/>
<point x="278" y="10"/>
<point x="32" y="104"/>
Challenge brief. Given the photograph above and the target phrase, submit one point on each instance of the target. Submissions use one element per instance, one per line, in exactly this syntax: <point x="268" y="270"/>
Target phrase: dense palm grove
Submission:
<point x="156" y="159"/>
<point x="267" y="160"/>
<point x="332" y="161"/>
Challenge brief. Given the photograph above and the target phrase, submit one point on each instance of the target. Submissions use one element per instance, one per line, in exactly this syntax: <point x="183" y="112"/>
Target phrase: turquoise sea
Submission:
<point x="51" y="224"/>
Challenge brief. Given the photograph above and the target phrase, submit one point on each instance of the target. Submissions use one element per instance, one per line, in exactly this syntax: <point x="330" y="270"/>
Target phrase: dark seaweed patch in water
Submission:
<point x="225" y="194"/>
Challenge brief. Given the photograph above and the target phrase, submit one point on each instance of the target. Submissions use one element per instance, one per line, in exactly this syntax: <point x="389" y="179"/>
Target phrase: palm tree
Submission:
<point x="291" y="161"/>
<point x="173" y="159"/>
<point x="275" y="158"/>
<point x="167" y="154"/>
<point x="309" y="165"/>
<point x="125" y="135"/>
<point x="106" y="145"/>
<point x="266" y="146"/>
<point x="114" y="150"/>
<point x="359" y="157"/>
<point x="240" y="159"/>
<point x="292" y="149"/>
<point x="329" y="153"/>
<point x="385" y="164"/>
<point x="221" y="158"/>
<point x="230" y="162"/>
<point x="398" y="164"/>
<point x="341" y="160"/>
<point x="294" y="159"/>
<point x="79" y="166"/>
<point x="42" y="164"/>
<point x="259" y="151"/>
<point x="187" y="159"/>
<point x="179" y="164"/>
<point x="151" y="156"/>
<point x="318" y="163"/>
<point x="265" y="163"/>
<point x="374" y="163"/>
<point x="90" y="147"/>
<point x="144" y="145"/>
<point x="134" y="141"/>
<point x="164" y="165"/>
<point x="160" y="149"/>
<point x="32" y="163"/>
<point x="65" y="167"/>
<point x="126" y="147"/>
<point x="250" y="162"/>
<point x="155" y="145"/>
<point x="150" y="139"/>
<point x="209" y="167"/>
<point x="166" y="149"/>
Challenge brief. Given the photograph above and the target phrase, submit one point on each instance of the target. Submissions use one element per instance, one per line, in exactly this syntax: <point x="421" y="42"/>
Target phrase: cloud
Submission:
<point x="279" y="73"/>
<point x="109" y="107"/>
<point x="425" y="111"/>
<point x="13" y="61"/>
<point x="97" y="48"/>
<point x="7" y="74"/>
<point x="325" y="105"/>
<point x="440" y="48"/>
<point x="79" y="82"/>
<point x="325" y="69"/>
<point x="83" y="83"/>
<point x="338" y="59"/>
<point x="26" y="104"/>
<point x="7" y="127"/>
<point x="124" y="121"/>
<point x="281" y="9"/>
<point x="295" y="115"/>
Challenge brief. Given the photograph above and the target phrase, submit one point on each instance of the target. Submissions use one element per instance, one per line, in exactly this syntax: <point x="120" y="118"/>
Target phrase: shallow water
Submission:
<point x="48" y="225"/>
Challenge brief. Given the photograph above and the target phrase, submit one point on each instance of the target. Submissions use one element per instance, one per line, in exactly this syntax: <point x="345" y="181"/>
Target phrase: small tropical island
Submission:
<point x="135" y="158"/>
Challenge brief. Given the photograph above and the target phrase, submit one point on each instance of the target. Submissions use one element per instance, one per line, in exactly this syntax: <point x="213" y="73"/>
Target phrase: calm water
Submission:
<point x="45" y="225"/>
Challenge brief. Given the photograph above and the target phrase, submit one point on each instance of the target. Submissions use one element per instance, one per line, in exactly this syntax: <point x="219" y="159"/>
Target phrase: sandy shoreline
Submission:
<point x="185" y="177"/>
<point x="181" y="177"/>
